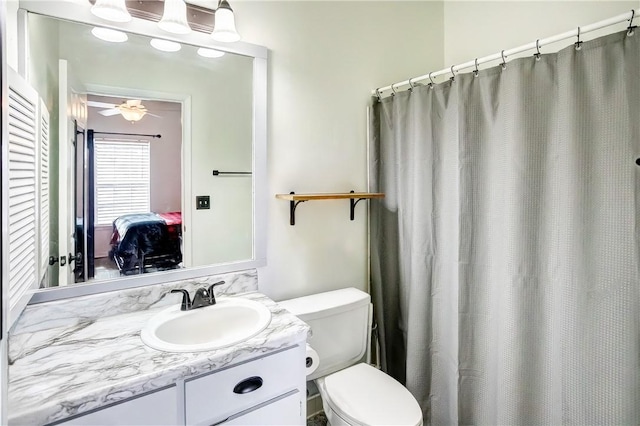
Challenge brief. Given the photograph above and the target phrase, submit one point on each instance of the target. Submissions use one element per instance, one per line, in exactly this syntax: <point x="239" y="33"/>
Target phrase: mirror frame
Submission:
<point x="78" y="11"/>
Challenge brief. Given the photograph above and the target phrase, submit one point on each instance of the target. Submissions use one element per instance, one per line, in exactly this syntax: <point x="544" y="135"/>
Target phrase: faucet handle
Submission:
<point x="186" y="300"/>
<point x="212" y="296"/>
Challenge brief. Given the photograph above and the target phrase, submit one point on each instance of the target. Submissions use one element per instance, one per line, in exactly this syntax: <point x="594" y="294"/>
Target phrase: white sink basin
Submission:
<point x="230" y="321"/>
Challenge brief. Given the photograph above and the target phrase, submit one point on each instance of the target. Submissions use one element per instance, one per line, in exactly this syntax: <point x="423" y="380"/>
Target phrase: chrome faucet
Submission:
<point x="203" y="297"/>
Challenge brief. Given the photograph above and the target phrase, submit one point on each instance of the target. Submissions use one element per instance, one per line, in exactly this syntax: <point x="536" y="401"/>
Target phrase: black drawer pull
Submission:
<point x="248" y="385"/>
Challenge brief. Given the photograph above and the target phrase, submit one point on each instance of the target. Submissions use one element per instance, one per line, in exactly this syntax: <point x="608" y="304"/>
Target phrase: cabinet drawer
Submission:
<point x="217" y="396"/>
<point x="156" y="408"/>
<point x="284" y="411"/>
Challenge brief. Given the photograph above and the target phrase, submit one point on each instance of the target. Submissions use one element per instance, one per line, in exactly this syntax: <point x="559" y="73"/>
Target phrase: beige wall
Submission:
<point x="165" y="154"/>
<point x="325" y="57"/>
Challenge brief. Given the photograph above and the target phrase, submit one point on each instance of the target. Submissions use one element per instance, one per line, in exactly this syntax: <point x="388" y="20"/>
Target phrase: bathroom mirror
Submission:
<point x="156" y="157"/>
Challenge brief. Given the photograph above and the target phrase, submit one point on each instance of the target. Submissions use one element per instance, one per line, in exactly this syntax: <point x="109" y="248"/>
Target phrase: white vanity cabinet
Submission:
<point x="155" y="408"/>
<point x="267" y="390"/>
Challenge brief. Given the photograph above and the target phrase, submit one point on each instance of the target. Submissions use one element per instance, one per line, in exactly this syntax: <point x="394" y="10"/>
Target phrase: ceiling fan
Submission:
<point x="131" y="110"/>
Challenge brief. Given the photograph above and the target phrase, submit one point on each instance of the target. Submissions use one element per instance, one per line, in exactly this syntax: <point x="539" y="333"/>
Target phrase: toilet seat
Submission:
<point x="364" y="395"/>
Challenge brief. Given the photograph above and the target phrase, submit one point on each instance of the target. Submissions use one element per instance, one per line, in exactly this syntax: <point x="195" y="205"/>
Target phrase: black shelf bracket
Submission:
<point x="352" y="204"/>
<point x="292" y="209"/>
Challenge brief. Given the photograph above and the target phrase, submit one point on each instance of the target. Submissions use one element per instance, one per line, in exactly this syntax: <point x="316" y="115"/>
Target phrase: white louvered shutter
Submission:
<point x="23" y="126"/>
<point x="43" y="191"/>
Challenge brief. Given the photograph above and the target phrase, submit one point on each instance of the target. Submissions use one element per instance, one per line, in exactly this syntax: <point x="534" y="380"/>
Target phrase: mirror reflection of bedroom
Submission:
<point x="128" y="188"/>
<point x="201" y="106"/>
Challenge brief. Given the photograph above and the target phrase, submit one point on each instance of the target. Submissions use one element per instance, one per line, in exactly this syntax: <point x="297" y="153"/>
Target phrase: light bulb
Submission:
<point x="224" y="28"/>
<point x="174" y="18"/>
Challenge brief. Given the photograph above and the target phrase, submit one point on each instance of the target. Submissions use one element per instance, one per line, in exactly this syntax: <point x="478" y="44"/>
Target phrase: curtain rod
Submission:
<point x="628" y="16"/>
<point x="127" y="134"/>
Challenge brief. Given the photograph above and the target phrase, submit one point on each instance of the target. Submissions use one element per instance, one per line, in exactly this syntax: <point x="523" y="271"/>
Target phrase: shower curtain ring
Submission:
<point x="393" y="90"/>
<point x="578" y="43"/>
<point x="453" y="74"/>
<point x="504" y="60"/>
<point x="537" y="54"/>
<point x="476" y="72"/>
<point x="631" y="28"/>
<point x="378" y="95"/>
<point x="431" y="80"/>
<point x="410" y="85"/>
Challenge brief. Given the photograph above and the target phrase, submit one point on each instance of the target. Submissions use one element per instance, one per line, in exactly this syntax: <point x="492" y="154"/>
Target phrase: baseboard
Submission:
<point x="314" y="405"/>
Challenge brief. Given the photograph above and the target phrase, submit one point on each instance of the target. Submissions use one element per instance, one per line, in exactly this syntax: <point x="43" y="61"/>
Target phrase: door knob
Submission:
<point x="52" y="260"/>
<point x="77" y="257"/>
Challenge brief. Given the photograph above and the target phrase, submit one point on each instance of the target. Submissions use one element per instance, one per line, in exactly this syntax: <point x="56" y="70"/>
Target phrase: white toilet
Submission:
<point x="353" y="393"/>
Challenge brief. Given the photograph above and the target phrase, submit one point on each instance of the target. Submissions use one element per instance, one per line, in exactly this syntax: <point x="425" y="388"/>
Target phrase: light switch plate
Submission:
<point x="203" y="202"/>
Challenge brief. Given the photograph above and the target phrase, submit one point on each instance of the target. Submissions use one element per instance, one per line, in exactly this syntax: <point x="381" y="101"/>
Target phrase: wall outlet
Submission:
<point x="203" y="202"/>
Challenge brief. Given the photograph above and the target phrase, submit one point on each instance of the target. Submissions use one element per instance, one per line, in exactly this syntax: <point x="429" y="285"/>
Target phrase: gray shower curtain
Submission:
<point x="505" y="255"/>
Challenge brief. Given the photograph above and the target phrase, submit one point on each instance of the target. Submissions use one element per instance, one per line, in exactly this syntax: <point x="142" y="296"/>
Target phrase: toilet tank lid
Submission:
<point x="330" y="302"/>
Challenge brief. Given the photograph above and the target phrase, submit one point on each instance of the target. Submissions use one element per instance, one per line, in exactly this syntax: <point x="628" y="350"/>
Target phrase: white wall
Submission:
<point x="11" y="24"/>
<point x="478" y="28"/>
<point x="325" y="57"/>
<point x="43" y="75"/>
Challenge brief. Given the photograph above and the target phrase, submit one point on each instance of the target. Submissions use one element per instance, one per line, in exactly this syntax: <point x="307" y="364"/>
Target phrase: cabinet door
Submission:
<point x="285" y="411"/>
<point x="157" y="408"/>
<point x="20" y="211"/>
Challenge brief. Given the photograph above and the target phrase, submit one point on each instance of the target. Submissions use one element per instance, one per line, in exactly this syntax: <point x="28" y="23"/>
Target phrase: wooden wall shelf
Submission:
<point x="353" y="197"/>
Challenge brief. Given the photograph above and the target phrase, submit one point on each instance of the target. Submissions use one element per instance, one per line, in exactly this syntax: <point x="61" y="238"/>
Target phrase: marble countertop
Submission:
<point x="64" y="371"/>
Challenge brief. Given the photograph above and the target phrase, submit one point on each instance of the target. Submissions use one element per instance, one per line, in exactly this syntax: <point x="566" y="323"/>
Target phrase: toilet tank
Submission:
<point x="340" y="321"/>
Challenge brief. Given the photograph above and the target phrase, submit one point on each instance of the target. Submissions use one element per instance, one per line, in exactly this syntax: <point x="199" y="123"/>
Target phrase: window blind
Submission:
<point x="22" y="129"/>
<point x="122" y="179"/>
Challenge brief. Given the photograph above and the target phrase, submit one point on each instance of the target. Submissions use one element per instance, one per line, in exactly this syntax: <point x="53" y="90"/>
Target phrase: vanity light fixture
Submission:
<point x="109" y="35"/>
<point x="224" y="28"/>
<point x="165" y="45"/>
<point x="174" y="18"/>
<point x="111" y="10"/>
<point x="210" y="53"/>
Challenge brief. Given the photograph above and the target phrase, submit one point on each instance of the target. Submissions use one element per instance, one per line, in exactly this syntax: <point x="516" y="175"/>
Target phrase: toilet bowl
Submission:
<point x="363" y="395"/>
<point x="353" y="392"/>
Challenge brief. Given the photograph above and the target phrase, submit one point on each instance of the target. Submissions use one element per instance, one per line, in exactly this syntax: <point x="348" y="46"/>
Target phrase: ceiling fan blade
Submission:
<point x="109" y="112"/>
<point x="100" y="104"/>
<point x="153" y="115"/>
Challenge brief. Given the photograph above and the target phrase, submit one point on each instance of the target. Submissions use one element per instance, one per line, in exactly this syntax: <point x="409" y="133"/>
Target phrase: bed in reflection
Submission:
<point x="147" y="242"/>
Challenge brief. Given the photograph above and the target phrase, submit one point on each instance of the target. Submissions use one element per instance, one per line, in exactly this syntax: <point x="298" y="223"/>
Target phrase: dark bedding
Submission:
<point x="146" y="240"/>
